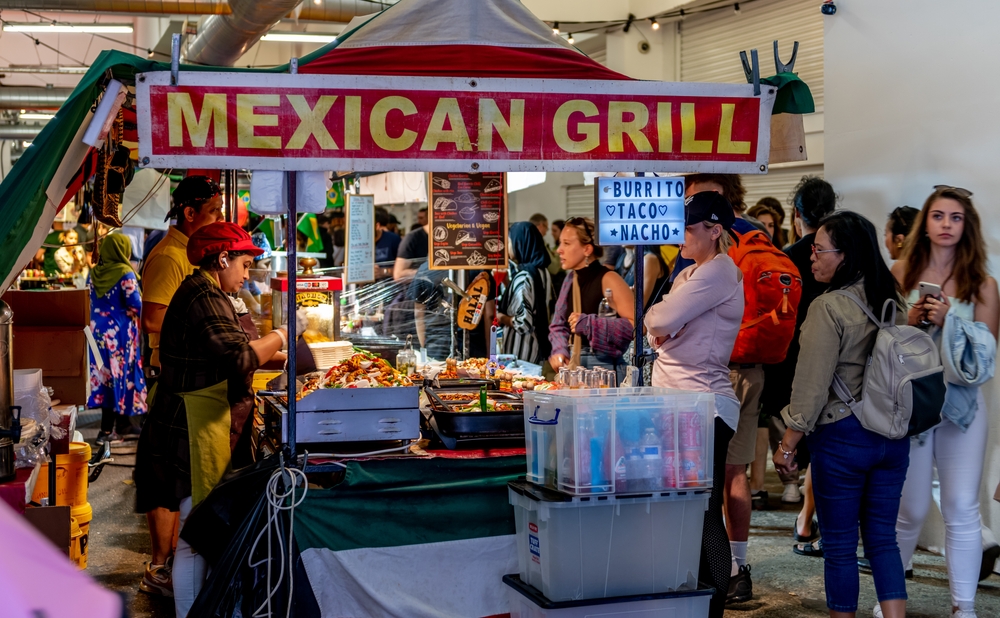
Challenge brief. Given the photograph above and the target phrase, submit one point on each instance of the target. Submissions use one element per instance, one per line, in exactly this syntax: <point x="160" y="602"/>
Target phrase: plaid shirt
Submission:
<point x="201" y="345"/>
<point x="605" y="335"/>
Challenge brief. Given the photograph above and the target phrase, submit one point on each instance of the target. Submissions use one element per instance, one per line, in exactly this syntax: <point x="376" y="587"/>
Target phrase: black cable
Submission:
<point x="42" y="18"/>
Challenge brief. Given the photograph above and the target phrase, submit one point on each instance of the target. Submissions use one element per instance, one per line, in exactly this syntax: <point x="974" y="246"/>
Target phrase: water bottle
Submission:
<point x="652" y="458"/>
<point x="605" y="310"/>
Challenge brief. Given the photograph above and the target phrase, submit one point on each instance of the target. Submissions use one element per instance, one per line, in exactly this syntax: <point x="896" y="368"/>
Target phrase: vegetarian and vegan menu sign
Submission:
<point x="468" y="224"/>
<point x="359" y="258"/>
<point x="639" y="211"/>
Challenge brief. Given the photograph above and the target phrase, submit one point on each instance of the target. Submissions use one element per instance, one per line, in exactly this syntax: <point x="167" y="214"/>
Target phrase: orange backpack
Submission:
<point x="772" y="288"/>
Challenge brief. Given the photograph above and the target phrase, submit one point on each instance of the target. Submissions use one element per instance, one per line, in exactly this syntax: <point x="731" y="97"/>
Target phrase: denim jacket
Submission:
<point x="968" y="352"/>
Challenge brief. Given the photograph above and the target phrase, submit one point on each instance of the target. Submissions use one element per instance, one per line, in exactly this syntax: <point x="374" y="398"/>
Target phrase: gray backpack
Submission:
<point x="903" y="389"/>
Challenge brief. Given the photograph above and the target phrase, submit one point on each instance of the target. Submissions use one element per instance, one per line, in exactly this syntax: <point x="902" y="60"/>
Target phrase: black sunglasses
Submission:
<point x="956" y="190"/>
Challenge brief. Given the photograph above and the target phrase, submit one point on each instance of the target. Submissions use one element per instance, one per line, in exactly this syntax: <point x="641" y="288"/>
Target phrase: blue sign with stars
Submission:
<point x="639" y="211"/>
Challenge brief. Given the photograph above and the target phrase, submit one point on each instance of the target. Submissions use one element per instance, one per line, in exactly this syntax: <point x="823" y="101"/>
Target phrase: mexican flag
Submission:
<point x="411" y="538"/>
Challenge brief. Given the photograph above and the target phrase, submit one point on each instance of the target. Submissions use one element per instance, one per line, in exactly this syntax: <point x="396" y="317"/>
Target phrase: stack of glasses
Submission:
<point x="612" y="506"/>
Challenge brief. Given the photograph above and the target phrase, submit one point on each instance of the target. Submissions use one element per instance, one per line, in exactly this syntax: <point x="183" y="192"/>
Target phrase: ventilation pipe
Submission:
<point x="222" y="39"/>
<point x="132" y="7"/>
<point x="31" y="97"/>
<point x="19" y="131"/>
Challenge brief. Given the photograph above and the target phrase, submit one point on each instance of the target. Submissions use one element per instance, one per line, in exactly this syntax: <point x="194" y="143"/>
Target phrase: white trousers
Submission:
<point x="959" y="458"/>
<point x="189" y="570"/>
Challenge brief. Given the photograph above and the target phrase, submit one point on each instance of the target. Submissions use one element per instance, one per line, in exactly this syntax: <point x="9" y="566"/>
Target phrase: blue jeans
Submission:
<point x="858" y="478"/>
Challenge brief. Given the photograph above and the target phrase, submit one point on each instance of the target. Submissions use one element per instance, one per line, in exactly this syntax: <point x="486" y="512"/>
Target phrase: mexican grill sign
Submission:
<point x="333" y="122"/>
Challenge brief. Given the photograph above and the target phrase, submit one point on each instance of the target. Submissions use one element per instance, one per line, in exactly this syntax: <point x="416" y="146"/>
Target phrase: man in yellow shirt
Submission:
<point x="197" y="203"/>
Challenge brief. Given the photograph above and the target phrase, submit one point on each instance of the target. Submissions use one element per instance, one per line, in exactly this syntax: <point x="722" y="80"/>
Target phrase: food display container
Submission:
<point x="319" y="296"/>
<point x="625" y="440"/>
<point x="451" y="422"/>
<point x="526" y="602"/>
<point x="591" y="547"/>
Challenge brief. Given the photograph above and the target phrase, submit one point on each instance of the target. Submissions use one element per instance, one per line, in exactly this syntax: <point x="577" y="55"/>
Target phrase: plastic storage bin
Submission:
<point x="593" y="547"/>
<point x="526" y="602"/>
<point x="627" y="440"/>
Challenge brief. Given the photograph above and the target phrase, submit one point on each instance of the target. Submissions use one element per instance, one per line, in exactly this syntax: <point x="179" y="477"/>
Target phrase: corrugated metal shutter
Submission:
<point x="778" y="183"/>
<point x="711" y="42"/>
<point x="579" y="201"/>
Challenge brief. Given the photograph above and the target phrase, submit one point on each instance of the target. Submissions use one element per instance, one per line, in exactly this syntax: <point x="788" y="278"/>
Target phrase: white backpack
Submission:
<point x="903" y="389"/>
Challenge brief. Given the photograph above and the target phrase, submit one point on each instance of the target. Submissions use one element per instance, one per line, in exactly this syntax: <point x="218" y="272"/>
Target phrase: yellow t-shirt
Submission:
<point x="166" y="268"/>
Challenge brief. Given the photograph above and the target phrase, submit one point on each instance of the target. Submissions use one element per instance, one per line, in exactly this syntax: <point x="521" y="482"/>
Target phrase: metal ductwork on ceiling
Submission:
<point x="19" y="131"/>
<point x="134" y="7"/>
<point x="338" y="10"/>
<point x="32" y="97"/>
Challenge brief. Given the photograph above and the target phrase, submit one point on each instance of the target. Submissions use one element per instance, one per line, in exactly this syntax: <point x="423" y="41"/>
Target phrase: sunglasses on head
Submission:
<point x="956" y="190"/>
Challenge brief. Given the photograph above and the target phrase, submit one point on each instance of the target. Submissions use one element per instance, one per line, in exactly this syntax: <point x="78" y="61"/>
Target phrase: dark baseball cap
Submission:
<point x="708" y="206"/>
<point x="192" y="191"/>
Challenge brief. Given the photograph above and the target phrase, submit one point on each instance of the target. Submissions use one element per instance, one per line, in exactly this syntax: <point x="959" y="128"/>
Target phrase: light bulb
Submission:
<point x="656" y="24"/>
<point x="555" y="28"/>
<point x="570" y="39"/>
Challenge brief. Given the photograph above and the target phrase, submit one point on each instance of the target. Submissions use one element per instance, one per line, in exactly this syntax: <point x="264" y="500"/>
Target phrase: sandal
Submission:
<point x="811" y="550"/>
<point x="814" y="532"/>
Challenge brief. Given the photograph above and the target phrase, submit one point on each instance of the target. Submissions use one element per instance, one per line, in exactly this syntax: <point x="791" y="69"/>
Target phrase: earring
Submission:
<point x="899" y="245"/>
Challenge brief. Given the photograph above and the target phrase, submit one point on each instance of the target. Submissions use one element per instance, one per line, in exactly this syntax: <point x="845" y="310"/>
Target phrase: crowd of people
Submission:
<point x="571" y="304"/>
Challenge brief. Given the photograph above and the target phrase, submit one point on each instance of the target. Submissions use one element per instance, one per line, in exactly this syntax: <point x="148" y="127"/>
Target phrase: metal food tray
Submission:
<point x="476" y="425"/>
<point x="348" y="399"/>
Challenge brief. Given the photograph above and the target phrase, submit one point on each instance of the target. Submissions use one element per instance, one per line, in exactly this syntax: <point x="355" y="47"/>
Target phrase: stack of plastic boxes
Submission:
<point x="611" y="511"/>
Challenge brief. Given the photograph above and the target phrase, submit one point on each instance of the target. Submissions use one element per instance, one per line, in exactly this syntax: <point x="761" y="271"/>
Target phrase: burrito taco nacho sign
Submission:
<point x="369" y="123"/>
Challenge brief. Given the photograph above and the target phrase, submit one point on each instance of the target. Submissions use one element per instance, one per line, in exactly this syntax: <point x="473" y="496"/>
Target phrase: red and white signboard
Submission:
<point x="363" y="123"/>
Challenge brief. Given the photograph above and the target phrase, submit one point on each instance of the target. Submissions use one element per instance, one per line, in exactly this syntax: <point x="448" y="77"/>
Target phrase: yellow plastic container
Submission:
<point x="81" y="516"/>
<point x="71" y="477"/>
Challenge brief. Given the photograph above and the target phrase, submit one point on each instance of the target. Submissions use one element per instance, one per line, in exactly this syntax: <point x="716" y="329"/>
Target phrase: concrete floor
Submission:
<point x="785" y="585"/>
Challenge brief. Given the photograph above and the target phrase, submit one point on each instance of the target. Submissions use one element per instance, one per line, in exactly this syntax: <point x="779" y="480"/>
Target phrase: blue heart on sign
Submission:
<point x="611" y="209"/>
<point x="663" y="210"/>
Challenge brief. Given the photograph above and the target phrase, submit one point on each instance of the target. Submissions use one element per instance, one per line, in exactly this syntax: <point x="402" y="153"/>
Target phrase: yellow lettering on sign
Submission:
<point x="311" y="122"/>
<point x="352" y="123"/>
<point x="726" y="143"/>
<point x="247" y="121"/>
<point x="664" y="127"/>
<point x="377" y="123"/>
<point x="589" y="130"/>
<point x="688" y="126"/>
<point x="618" y="128"/>
<point x="490" y="118"/>
<point x="180" y="111"/>
<point x="447" y="110"/>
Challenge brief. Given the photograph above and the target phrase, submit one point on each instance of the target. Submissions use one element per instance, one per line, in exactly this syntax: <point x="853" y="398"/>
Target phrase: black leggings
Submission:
<point x="108" y="420"/>
<point x="716" y="556"/>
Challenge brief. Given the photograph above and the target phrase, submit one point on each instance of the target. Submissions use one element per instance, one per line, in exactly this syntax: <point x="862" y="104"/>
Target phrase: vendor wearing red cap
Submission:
<point x="205" y="358"/>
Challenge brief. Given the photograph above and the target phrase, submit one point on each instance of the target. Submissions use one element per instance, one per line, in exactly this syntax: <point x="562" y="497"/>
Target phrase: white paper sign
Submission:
<point x="639" y="211"/>
<point x="359" y="261"/>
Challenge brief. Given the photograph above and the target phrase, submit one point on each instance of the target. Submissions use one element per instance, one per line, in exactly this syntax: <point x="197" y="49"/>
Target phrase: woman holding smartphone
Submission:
<point x="943" y="268"/>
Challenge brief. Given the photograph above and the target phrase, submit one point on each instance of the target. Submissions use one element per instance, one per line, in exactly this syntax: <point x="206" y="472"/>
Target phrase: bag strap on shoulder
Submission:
<point x="841" y="390"/>
<point x="871" y="316"/>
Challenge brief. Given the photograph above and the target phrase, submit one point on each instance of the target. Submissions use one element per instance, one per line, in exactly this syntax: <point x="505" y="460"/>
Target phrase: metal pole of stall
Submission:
<point x="290" y="249"/>
<point x="637" y="358"/>
<point x="228" y="202"/>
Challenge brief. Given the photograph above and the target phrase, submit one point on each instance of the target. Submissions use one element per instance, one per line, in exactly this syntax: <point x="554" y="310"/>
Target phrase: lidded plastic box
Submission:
<point x="526" y="602"/>
<point x="593" y="547"/>
<point x="626" y="440"/>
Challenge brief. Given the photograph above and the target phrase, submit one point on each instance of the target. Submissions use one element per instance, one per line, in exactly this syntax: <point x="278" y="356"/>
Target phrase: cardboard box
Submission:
<point x="61" y="352"/>
<point x="49" y="307"/>
<point x="53" y="522"/>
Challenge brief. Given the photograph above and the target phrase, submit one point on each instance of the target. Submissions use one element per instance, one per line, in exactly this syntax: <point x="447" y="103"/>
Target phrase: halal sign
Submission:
<point x="639" y="211"/>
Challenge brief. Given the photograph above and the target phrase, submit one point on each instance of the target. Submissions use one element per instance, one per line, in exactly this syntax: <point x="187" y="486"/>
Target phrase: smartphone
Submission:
<point x="929" y="289"/>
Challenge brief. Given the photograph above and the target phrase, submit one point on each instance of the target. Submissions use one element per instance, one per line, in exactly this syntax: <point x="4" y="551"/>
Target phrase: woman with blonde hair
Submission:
<point x="945" y="247"/>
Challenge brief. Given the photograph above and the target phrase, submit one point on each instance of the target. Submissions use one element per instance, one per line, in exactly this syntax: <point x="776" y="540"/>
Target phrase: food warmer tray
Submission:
<point x="507" y="424"/>
<point x="357" y="415"/>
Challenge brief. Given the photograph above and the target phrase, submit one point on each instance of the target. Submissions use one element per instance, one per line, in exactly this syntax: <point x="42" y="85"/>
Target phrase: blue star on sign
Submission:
<point x="614" y="232"/>
<point x="676" y="231"/>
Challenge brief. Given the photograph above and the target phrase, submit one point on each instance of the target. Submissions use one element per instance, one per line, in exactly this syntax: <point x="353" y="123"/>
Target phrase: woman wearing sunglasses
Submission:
<point x="858" y="473"/>
<point x="578" y="335"/>
<point x="945" y="247"/>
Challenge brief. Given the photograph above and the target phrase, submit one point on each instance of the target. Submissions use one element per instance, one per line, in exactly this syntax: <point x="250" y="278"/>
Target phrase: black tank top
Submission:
<point x="591" y="290"/>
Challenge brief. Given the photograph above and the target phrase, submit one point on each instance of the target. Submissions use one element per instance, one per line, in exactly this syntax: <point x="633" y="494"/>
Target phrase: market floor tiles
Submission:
<point x="785" y="585"/>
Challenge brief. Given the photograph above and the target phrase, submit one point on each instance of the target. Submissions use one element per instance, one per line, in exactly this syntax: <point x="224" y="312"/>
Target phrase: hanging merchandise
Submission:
<point x="114" y="172"/>
<point x="311" y="191"/>
<point x="267" y="192"/>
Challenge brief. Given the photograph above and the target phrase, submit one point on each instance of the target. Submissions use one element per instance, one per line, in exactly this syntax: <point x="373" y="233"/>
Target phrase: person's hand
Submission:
<point x="936" y="309"/>
<point x="504" y="320"/>
<point x="574" y="318"/>
<point x="557" y="361"/>
<point x="916" y="314"/>
<point x="784" y="465"/>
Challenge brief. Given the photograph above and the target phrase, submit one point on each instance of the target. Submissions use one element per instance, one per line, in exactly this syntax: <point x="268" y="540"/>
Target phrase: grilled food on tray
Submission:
<point x="364" y="370"/>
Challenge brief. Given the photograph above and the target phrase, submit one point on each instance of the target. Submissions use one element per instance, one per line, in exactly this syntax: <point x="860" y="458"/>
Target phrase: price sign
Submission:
<point x="639" y="211"/>
<point x="359" y="258"/>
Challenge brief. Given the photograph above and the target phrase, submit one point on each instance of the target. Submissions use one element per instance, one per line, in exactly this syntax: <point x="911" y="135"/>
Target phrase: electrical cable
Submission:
<point x="42" y="18"/>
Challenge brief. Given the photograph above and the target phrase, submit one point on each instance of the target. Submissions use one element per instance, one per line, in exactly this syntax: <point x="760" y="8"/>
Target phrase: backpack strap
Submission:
<point x="864" y="307"/>
<point x="841" y="390"/>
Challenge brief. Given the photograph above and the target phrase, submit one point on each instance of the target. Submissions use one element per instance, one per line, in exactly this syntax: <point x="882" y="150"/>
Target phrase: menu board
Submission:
<point x="468" y="222"/>
<point x="359" y="255"/>
<point x="639" y="211"/>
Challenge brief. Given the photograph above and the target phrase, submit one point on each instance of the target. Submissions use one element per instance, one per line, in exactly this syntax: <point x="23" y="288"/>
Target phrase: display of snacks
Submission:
<point x="364" y="370"/>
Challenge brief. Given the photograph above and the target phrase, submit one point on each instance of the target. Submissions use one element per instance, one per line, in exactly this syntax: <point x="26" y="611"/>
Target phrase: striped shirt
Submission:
<point x="520" y="338"/>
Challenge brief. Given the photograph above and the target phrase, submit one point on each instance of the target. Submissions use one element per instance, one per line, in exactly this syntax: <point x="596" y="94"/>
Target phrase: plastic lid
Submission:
<point x="536" y="597"/>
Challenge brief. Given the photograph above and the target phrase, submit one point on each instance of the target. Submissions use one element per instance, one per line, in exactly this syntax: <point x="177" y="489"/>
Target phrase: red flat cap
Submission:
<point x="218" y="237"/>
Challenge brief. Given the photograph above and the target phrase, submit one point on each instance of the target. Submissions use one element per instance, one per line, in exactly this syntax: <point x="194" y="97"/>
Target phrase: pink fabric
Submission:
<point x="700" y="319"/>
<point x="39" y="580"/>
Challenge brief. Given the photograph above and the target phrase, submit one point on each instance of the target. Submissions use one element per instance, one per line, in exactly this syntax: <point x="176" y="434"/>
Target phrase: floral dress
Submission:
<point x="114" y="319"/>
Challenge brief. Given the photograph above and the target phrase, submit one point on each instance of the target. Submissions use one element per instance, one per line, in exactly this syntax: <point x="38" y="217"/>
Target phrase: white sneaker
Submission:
<point x="792" y="494"/>
<point x="963" y="613"/>
<point x="877" y="611"/>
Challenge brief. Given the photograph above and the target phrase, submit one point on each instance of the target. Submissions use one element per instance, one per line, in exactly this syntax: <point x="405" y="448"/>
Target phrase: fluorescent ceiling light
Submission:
<point x="35" y="116"/>
<point x="38" y="68"/>
<point x="299" y="37"/>
<point x="25" y="144"/>
<point x="41" y="27"/>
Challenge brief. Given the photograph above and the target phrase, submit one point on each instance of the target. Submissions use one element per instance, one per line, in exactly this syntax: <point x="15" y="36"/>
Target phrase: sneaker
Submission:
<point x="740" y="587"/>
<point x="158" y="580"/>
<point x="107" y="436"/>
<point x="759" y="500"/>
<point x="963" y="613"/>
<point x="792" y="494"/>
<point x="990" y="555"/>
<point x="877" y="611"/>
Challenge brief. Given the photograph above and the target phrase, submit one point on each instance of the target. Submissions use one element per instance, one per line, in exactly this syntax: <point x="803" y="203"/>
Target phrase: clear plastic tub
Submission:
<point x="594" y="547"/>
<point x="526" y="602"/>
<point x="628" y="440"/>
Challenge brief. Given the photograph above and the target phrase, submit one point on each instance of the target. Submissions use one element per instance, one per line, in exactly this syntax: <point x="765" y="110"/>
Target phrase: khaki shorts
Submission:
<point x="748" y="382"/>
